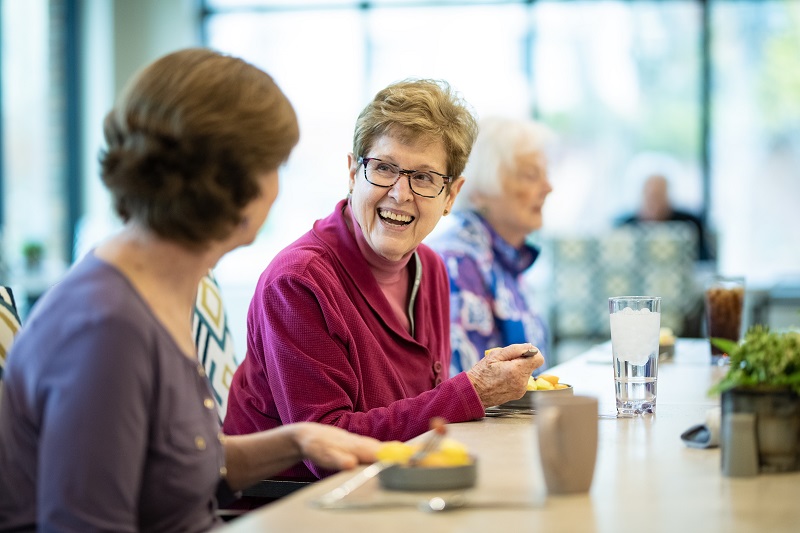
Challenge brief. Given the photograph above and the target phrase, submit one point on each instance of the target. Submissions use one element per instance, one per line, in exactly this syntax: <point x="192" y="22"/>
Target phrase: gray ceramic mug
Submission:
<point x="567" y="433"/>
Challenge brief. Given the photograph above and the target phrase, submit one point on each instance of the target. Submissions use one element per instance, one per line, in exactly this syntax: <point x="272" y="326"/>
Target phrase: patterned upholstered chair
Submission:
<point x="213" y="339"/>
<point x="9" y="325"/>
<point x="655" y="259"/>
<point x="215" y="349"/>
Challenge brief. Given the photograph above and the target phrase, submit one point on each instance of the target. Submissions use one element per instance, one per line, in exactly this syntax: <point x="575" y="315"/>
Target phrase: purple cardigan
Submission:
<point x="104" y="423"/>
<point x="323" y="345"/>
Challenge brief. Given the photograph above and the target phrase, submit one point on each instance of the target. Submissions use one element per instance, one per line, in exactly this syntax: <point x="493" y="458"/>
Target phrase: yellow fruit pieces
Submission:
<point x="395" y="452"/>
<point x="549" y="378"/>
<point x="666" y="337"/>
<point x="545" y="382"/>
<point x="449" y="453"/>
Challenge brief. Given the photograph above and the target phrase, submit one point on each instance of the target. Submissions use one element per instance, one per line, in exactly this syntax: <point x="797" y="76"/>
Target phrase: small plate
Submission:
<point x="666" y="352"/>
<point x="400" y="477"/>
<point x="527" y="398"/>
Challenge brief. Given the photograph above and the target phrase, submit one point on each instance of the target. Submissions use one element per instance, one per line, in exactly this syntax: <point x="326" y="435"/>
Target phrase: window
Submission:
<point x="616" y="80"/>
<point x="612" y="78"/>
<point x="755" y="175"/>
<point x="36" y="207"/>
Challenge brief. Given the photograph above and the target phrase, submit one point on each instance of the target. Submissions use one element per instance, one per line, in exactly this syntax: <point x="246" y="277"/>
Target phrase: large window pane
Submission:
<point x="756" y="137"/>
<point x="480" y="51"/>
<point x="616" y="79"/>
<point x="33" y="153"/>
<point x="612" y="78"/>
<point x="318" y="62"/>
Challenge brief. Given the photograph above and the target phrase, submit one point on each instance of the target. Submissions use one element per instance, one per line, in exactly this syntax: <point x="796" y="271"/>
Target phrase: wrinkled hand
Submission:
<point x="502" y="375"/>
<point x="334" y="448"/>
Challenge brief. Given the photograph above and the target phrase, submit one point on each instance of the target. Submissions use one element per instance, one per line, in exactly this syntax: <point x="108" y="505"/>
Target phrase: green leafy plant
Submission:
<point x="33" y="252"/>
<point x="764" y="359"/>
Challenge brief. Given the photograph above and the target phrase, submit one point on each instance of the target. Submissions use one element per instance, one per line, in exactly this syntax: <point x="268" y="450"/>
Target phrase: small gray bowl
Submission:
<point x="420" y="478"/>
<point x="530" y="396"/>
<point x="666" y="352"/>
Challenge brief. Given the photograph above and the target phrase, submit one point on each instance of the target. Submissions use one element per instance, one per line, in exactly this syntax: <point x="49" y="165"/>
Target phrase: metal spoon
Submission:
<point x="439" y="504"/>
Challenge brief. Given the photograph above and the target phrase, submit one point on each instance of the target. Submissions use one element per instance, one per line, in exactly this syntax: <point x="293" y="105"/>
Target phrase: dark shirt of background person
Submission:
<point x="657" y="207"/>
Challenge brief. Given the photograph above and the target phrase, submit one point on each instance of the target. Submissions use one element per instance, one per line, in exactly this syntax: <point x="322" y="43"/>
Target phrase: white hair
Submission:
<point x="499" y="142"/>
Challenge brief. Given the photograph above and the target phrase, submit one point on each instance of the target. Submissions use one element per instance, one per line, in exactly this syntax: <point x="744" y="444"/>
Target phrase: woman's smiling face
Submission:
<point x="394" y="220"/>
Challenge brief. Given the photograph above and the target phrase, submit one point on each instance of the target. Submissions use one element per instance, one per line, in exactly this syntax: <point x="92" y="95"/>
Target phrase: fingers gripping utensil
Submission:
<point x="438" y="430"/>
<point x="530" y="353"/>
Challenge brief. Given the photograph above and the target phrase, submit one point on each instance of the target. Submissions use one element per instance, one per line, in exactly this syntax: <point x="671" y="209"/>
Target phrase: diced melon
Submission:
<point x="450" y="453"/>
<point x="549" y="377"/>
<point x="395" y="452"/>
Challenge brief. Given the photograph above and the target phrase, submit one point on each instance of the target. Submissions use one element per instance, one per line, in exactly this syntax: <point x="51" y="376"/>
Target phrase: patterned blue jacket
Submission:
<point x="488" y="302"/>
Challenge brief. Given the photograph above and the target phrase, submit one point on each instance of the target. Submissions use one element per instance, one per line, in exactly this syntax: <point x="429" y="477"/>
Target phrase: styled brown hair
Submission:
<point x="419" y="109"/>
<point x="186" y="140"/>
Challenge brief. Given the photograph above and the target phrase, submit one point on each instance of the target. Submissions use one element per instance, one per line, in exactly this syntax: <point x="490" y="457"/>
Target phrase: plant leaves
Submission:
<point x="763" y="359"/>
<point x="726" y="345"/>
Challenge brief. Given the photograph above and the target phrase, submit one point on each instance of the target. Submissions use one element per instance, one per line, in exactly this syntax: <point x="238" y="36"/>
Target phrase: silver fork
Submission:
<point x="438" y="431"/>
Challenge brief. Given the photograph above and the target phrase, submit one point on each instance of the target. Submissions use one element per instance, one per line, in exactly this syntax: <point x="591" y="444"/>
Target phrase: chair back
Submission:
<point x="648" y="259"/>
<point x="9" y="325"/>
<point x="214" y="341"/>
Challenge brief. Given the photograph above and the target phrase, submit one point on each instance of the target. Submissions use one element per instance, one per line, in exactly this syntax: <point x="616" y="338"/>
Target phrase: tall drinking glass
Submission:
<point x="635" y="324"/>
<point x="724" y="304"/>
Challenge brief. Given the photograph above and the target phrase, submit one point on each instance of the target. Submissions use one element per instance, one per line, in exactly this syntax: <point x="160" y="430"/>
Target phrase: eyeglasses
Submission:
<point x="428" y="184"/>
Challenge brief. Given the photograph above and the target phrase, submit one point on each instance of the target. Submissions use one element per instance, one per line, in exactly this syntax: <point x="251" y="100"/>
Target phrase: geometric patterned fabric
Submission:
<point x="214" y="342"/>
<point x="655" y="259"/>
<point x="9" y="324"/>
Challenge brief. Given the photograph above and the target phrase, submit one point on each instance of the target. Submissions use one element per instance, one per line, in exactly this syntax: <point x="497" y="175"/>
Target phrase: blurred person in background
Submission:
<point x="657" y="206"/>
<point x="350" y="324"/>
<point x="484" y="247"/>
<point x="107" y="418"/>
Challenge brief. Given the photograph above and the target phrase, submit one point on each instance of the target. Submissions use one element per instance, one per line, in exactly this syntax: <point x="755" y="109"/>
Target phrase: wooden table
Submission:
<point x="645" y="479"/>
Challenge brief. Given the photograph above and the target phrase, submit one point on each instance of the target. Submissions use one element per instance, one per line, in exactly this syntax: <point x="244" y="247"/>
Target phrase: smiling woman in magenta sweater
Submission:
<point x="349" y="325"/>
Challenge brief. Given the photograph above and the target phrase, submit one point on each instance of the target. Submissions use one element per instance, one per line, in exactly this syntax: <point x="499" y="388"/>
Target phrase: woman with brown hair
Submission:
<point x="107" y="420"/>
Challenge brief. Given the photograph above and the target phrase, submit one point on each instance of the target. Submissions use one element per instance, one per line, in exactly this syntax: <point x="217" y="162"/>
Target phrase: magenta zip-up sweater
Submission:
<point x="324" y="345"/>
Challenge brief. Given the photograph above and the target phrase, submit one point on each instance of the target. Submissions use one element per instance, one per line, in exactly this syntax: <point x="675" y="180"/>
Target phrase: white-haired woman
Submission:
<point x="485" y="249"/>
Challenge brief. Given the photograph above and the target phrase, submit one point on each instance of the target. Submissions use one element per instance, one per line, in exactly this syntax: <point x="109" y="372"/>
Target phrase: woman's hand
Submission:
<point x="502" y="375"/>
<point x="333" y="448"/>
<point x="256" y="456"/>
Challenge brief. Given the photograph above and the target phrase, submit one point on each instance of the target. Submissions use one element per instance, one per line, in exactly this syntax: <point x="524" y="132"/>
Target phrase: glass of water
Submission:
<point x="635" y="324"/>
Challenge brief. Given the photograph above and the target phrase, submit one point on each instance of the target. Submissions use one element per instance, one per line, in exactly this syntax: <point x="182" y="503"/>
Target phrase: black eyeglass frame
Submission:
<point x="408" y="173"/>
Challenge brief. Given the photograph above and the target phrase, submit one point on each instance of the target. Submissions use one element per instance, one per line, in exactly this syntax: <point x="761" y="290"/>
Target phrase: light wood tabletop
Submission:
<point x="646" y="478"/>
